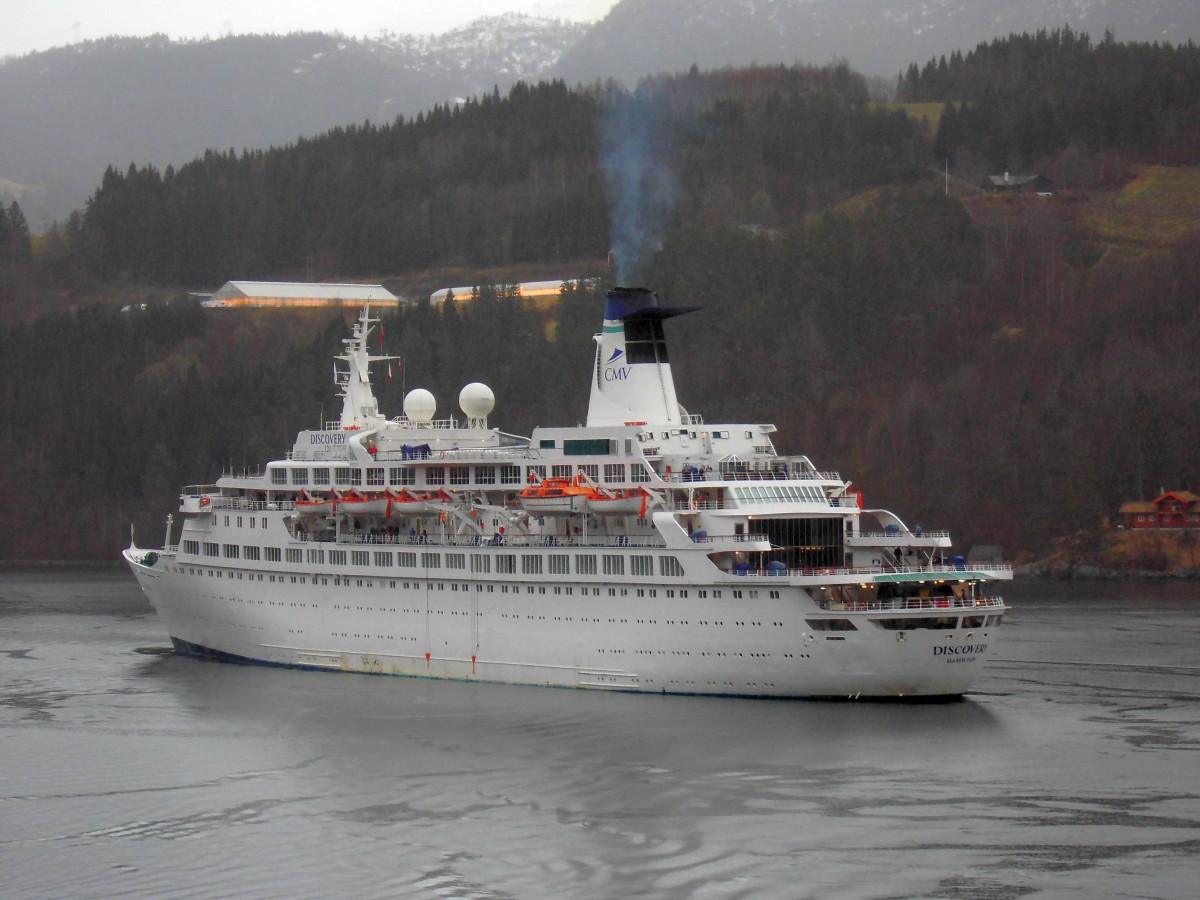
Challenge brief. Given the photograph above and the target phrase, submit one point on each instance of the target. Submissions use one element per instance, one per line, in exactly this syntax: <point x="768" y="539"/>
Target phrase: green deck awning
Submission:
<point x="955" y="575"/>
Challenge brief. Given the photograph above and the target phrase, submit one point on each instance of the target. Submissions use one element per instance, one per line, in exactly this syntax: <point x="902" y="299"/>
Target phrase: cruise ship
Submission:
<point x="646" y="551"/>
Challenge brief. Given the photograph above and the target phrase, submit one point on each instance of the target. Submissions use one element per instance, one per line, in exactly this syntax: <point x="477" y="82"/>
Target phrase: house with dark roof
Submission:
<point x="1018" y="184"/>
<point x="1172" y="509"/>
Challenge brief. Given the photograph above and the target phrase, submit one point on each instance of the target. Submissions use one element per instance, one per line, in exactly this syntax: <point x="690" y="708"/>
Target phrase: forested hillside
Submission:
<point x="1055" y="96"/>
<point x="1011" y="368"/>
<point x="495" y="181"/>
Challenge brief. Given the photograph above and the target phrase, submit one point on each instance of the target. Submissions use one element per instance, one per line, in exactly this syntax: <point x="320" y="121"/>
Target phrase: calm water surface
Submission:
<point x="1072" y="771"/>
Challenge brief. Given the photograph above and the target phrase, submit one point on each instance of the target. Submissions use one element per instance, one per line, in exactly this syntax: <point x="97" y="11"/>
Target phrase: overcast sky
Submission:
<point x="27" y="25"/>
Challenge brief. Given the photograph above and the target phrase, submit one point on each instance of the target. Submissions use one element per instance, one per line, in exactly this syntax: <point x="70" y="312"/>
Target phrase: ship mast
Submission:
<point x="359" y="406"/>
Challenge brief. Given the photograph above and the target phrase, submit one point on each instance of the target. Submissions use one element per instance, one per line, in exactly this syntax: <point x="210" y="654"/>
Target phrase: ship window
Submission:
<point x="506" y="564"/>
<point x="212" y="549"/>
<point x="591" y="470"/>
<point x="272" y="554"/>
<point x="375" y="476"/>
<point x="560" y="471"/>
<point x="360" y="557"/>
<point x="320" y="476"/>
<point x="639" y="473"/>
<point x="669" y="567"/>
<point x="539" y="471"/>
<point x="293" y="555"/>
<point x="994" y="620"/>
<point x="531" y="565"/>
<point x="347" y="477"/>
<point x="831" y="625"/>
<point x="510" y="474"/>
<point x="232" y="551"/>
<point x="614" y="564"/>
<point x="402" y="475"/>
<point x="299" y="476"/>
<point x="192" y="547"/>
<point x="279" y="476"/>
<point x="614" y="472"/>
<point x="641" y="565"/>
<point x="460" y="475"/>
<point x="587" y="447"/>
<point x="644" y="341"/>
<point x="435" y="475"/>
<point x="547" y="444"/>
<point x="431" y="560"/>
<point x="383" y="558"/>
<point x="315" y="555"/>
<point x="336" y="557"/>
<point x="560" y="564"/>
<point x="481" y="562"/>
<point x="406" y="559"/>
<point x="456" y="560"/>
<point x="585" y="565"/>
<point x="485" y="475"/>
<point x="972" y="621"/>
<point x="937" y="623"/>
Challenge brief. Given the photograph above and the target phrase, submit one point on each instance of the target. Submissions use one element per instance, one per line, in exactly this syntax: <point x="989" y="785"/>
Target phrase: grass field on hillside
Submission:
<point x="1159" y="208"/>
<point x="932" y="112"/>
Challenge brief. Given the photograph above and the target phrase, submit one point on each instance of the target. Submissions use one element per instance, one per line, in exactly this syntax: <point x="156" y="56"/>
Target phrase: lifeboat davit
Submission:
<point x="555" y="497"/>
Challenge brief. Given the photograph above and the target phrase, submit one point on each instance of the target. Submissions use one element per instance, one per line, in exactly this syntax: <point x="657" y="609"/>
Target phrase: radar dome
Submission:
<point x="476" y="400"/>
<point x="420" y="405"/>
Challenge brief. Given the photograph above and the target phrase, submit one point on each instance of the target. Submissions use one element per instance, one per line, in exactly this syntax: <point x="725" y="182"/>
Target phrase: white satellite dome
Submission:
<point x="420" y="405"/>
<point x="476" y="400"/>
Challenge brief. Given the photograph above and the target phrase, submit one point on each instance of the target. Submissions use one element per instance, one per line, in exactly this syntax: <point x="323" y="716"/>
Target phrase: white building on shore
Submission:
<point x="297" y="294"/>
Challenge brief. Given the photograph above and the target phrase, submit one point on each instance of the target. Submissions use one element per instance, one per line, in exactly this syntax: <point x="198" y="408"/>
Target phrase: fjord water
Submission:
<point x="1073" y="770"/>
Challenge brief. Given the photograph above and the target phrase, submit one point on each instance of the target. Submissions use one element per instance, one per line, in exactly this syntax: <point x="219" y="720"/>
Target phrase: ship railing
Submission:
<point x="506" y="540"/>
<point x="243" y="504"/>
<point x="950" y="572"/>
<point x="906" y="604"/>
<point x="200" y="490"/>
<point x="244" y="472"/>
<point x="727" y="473"/>
<point x="465" y="454"/>
<point x="322" y="454"/>
<point x="703" y="537"/>
<point x="681" y="504"/>
<point x="899" y="535"/>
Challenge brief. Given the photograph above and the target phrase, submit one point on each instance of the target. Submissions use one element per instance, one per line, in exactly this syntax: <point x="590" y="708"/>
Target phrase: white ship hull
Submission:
<point x="749" y="573"/>
<point x="761" y="646"/>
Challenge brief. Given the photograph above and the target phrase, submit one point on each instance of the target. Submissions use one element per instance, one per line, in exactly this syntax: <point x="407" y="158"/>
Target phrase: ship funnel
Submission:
<point x="632" y="381"/>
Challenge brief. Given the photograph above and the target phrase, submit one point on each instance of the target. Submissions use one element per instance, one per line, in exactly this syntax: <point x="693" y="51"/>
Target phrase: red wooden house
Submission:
<point x="1173" y="509"/>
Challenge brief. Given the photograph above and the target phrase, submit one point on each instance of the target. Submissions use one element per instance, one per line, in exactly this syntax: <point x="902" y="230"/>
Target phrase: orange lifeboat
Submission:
<point x="555" y="497"/>
<point x="623" y="502"/>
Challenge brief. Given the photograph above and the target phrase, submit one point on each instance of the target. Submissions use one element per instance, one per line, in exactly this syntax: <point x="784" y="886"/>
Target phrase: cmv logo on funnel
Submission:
<point x="616" y="373"/>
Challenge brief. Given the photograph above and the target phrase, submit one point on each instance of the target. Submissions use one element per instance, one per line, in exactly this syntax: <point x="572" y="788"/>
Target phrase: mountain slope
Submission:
<point x="70" y="112"/>
<point x="877" y="37"/>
